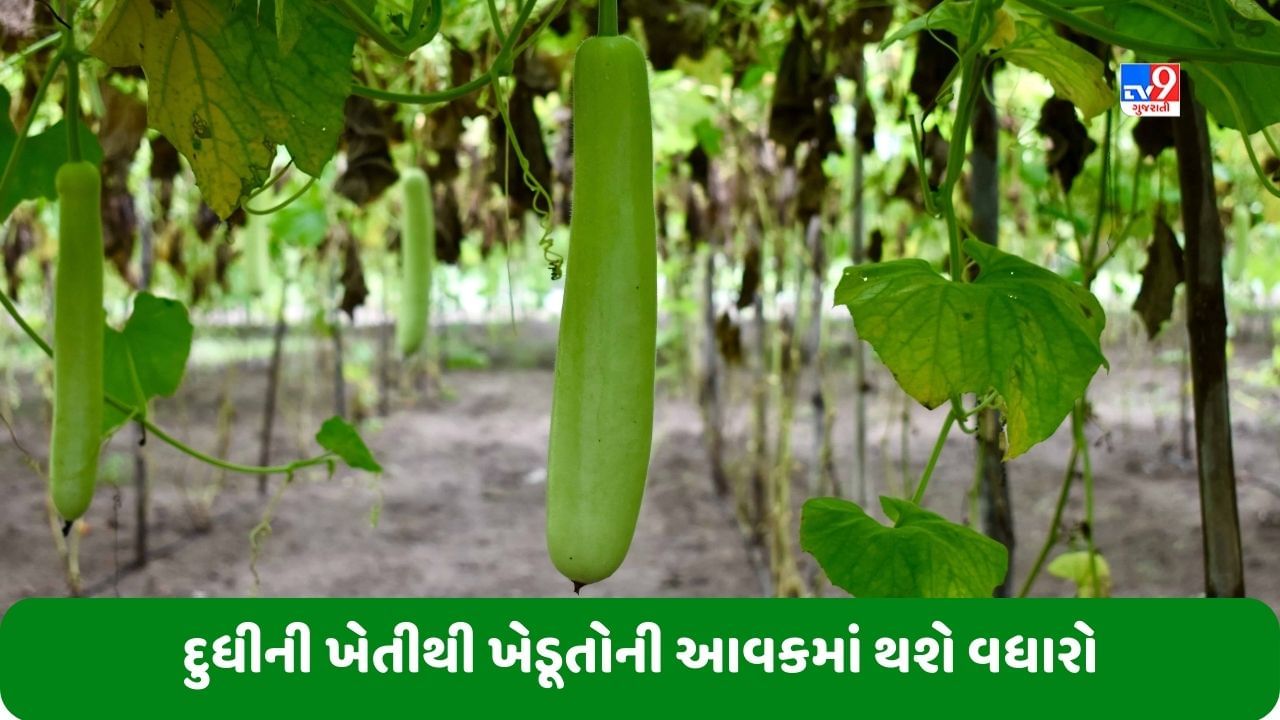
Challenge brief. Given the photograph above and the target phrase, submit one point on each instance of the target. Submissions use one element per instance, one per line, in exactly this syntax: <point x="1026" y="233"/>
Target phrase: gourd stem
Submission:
<point x="73" y="108"/>
<point x="608" y="18"/>
<point x="71" y="57"/>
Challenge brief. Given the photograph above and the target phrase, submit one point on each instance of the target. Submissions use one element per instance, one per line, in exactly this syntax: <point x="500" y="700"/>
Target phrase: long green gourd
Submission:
<point x="602" y="409"/>
<point x="418" y="250"/>
<point x="257" y="256"/>
<point x="78" y="330"/>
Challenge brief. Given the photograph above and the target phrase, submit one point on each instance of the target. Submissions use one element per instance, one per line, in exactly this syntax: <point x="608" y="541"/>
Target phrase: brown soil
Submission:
<point x="462" y="509"/>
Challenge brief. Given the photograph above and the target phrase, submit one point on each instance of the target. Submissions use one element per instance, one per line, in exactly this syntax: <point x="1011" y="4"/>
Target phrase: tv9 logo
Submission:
<point x="1151" y="89"/>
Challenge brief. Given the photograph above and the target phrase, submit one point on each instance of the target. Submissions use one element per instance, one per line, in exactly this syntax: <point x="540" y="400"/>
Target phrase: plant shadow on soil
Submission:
<point x="461" y="501"/>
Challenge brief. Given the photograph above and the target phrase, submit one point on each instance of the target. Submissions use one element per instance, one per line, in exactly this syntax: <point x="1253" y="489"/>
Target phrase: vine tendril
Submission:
<point x="543" y="204"/>
<point x="283" y="204"/>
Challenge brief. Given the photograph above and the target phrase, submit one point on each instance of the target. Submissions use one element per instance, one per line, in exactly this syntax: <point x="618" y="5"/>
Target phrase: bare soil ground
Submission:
<point x="461" y="502"/>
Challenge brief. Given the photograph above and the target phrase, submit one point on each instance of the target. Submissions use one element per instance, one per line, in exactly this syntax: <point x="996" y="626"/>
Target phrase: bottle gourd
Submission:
<point x="417" y="253"/>
<point x="602" y="408"/>
<point x="78" y="335"/>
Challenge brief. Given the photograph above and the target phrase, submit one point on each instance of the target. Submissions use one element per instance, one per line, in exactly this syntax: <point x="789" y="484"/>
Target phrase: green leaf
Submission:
<point x="709" y="137"/>
<point x="752" y="78"/>
<point x="226" y="91"/>
<point x="1076" y="567"/>
<point x="1019" y="329"/>
<point x="1250" y="84"/>
<point x="922" y="555"/>
<point x="340" y="438"/>
<point x="34" y="172"/>
<point x="1075" y="73"/>
<point x="148" y="358"/>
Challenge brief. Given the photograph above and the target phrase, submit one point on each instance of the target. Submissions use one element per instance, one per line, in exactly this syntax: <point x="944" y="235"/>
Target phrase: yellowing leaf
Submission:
<point x="225" y="92"/>
<point x="1018" y="329"/>
<point x="1076" y="567"/>
<point x="1005" y="30"/>
<point x="710" y="70"/>
<point x="1074" y="72"/>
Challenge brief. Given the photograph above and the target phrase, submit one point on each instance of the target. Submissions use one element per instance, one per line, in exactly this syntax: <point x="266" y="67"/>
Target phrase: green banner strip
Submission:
<point x="461" y="658"/>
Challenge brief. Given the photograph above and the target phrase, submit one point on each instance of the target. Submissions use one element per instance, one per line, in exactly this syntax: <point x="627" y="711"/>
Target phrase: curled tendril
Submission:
<point x="271" y="183"/>
<point x="262" y="531"/>
<point x="543" y="204"/>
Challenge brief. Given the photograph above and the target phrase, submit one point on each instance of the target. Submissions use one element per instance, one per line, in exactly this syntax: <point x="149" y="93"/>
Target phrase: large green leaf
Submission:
<point x="226" y="89"/>
<point x="147" y="358"/>
<point x="34" y="172"/>
<point x="1018" y="329"/>
<point x="922" y="555"/>
<point x="1251" y="85"/>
